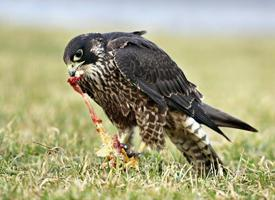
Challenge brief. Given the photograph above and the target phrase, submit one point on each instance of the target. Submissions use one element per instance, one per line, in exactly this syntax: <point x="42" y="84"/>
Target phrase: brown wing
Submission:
<point x="157" y="75"/>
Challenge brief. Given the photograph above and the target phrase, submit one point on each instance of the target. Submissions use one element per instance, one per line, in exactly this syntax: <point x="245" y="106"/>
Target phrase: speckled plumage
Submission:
<point x="138" y="84"/>
<point x="125" y="105"/>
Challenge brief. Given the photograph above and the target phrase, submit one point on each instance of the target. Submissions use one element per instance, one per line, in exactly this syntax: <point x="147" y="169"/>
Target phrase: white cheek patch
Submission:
<point x="79" y="73"/>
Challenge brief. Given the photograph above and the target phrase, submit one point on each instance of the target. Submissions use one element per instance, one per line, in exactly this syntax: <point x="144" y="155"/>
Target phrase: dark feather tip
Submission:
<point x="139" y="32"/>
<point x="252" y="129"/>
<point x="222" y="133"/>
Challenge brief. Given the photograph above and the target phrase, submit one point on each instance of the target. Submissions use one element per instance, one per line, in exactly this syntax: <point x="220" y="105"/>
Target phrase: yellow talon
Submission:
<point x="133" y="163"/>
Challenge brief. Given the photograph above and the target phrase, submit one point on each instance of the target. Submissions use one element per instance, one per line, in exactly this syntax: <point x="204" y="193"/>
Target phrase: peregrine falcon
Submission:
<point x="137" y="84"/>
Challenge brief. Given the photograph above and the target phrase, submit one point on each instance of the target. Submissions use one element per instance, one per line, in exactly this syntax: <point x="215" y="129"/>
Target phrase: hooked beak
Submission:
<point x="72" y="68"/>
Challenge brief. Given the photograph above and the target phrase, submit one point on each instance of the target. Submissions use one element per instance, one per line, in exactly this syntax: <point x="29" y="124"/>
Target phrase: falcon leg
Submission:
<point x="126" y="143"/>
<point x="142" y="147"/>
<point x="126" y="136"/>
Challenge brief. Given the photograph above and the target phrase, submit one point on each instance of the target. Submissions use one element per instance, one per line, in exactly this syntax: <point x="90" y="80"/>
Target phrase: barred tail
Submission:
<point x="193" y="142"/>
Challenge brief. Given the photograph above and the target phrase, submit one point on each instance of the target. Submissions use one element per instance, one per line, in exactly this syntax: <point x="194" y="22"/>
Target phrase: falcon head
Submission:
<point x="82" y="52"/>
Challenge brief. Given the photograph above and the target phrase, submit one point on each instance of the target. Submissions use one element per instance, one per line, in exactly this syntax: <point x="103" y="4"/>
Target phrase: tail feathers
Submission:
<point x="194" y="144"/>
<point x="223" y="119"/>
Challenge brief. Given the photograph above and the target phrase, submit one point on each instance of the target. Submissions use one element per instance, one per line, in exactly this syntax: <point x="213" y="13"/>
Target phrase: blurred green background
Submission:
<point x="235" y="72"/>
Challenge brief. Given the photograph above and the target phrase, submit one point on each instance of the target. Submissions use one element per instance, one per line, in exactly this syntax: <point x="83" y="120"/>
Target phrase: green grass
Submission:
<point x="38" y="106"/>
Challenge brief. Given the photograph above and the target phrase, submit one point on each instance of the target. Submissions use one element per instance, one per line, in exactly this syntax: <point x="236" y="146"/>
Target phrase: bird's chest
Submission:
<point x="118" y="97"/>
<point x="117" y="100"/>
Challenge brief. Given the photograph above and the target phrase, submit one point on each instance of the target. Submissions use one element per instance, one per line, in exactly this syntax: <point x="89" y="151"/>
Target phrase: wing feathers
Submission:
<point x="159" y="99"/>
<point x="152" y="70"/>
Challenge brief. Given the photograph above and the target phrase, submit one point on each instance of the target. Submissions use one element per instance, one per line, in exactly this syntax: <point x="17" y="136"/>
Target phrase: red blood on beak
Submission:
<point x="74" y="83"/>
<point x="73" y="80"/>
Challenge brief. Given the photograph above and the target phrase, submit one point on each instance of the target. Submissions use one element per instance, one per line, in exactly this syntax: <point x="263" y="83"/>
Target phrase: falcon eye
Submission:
<point x="78" y="55"/>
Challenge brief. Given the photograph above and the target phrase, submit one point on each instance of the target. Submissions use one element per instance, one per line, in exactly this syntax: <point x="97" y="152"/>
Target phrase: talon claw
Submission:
<point x="130" y="153"/>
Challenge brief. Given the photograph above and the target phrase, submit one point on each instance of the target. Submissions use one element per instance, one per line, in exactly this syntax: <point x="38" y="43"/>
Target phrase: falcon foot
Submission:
<point x="125" y="148"/>
<point x="130" y="153"/>
<point x="129" y="157"/>
<point x="118" y="154"/>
